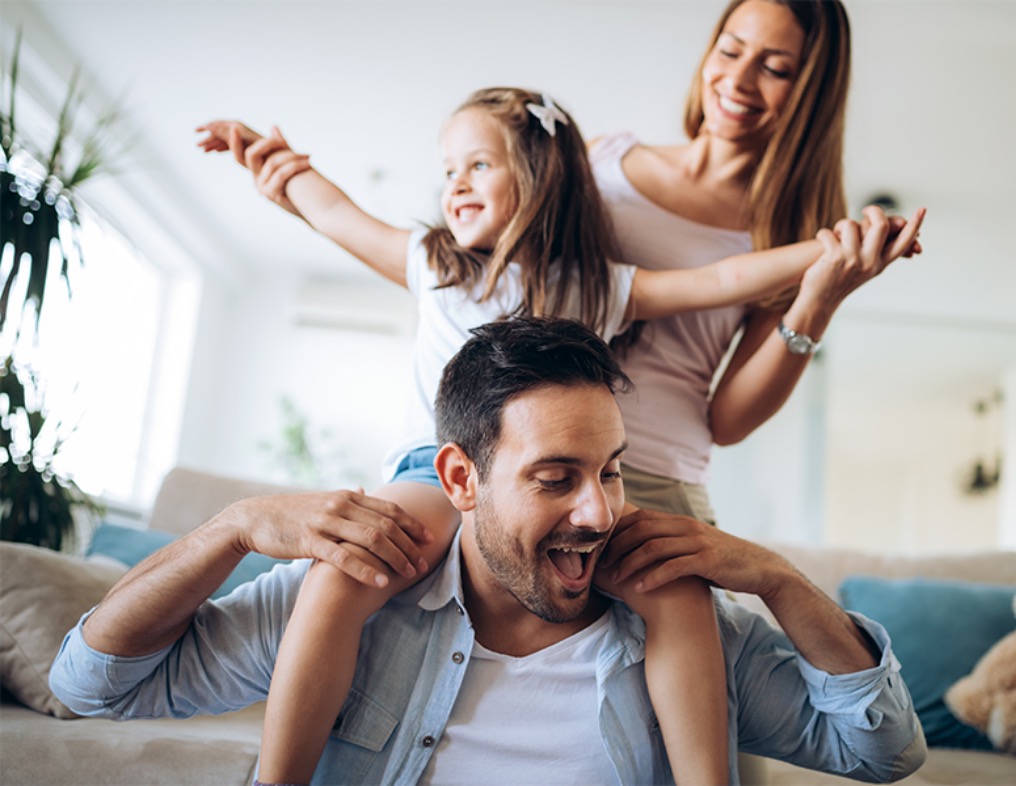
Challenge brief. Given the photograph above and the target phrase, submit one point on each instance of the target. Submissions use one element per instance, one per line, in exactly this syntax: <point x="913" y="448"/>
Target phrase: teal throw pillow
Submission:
<point x="939" y="631"/>
<point x="129" y="546"/>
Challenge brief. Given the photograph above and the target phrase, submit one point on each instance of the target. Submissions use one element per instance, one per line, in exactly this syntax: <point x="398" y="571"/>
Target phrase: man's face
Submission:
<point x="551" y="499"/>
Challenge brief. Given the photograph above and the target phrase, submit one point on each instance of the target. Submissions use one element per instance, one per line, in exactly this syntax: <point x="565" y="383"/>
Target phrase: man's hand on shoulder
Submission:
<point x="656" y="548"/>
<point x="318" y="524"/>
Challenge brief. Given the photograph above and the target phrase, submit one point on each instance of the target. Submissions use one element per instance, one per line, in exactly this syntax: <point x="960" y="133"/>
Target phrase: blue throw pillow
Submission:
<point x="939" y="631"/>
<point x="129" y="546"/>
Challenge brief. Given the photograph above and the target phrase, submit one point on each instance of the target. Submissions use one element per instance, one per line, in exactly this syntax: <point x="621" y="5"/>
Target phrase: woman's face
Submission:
<point x="749" y="73"/>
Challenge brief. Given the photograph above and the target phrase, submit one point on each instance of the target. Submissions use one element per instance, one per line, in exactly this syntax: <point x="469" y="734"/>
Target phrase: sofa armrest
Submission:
<point x="188" y="498"/>
<point x="828" y="566"/>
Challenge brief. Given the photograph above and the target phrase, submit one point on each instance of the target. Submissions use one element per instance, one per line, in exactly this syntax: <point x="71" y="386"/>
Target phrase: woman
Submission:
<point x="763" y="167"/>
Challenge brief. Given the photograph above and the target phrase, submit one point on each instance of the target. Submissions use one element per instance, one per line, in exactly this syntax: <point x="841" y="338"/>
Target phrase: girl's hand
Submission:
<point x="223" y="135"/>
<point x="325" y="525"/>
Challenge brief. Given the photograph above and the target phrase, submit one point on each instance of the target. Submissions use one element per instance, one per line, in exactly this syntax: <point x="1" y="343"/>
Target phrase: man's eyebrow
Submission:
<point x="574" y="461"/>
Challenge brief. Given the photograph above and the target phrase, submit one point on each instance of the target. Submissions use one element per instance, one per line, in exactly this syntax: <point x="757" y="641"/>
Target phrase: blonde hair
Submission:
<point x="560" y="218"/>
<point x="797" y="187"/>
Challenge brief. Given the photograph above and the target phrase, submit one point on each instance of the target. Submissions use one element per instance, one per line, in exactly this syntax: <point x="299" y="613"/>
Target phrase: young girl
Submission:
<point x="525" y="233"/>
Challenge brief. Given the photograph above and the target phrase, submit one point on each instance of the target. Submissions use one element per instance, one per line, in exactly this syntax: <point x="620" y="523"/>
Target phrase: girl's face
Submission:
<point x="749" y="73"/>
<point x="478" y="199"/>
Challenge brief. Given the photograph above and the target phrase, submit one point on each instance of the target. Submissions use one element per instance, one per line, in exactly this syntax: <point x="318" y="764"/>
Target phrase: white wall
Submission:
<point x="252" y="351"/>
<point x="925" y="120"/>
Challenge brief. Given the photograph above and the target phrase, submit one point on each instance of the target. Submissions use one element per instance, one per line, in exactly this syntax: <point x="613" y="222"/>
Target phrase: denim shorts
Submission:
<point x="418" y="467"/>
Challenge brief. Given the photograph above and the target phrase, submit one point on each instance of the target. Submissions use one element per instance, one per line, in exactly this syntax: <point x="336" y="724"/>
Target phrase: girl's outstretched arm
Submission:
<point x="751" y="276"/>
<point x="287" y="178"/>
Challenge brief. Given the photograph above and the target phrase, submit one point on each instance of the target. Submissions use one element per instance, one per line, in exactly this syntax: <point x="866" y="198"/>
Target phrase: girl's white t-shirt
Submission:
<point x="497" y="734"/>
<point x="445" y="317"/>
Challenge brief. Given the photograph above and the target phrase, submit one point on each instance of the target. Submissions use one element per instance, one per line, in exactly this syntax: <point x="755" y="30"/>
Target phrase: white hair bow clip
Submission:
<point x="548" y="114"/>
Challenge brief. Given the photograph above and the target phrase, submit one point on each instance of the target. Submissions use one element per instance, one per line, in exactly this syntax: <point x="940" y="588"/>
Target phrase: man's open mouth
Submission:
<point x="573" y="563"/>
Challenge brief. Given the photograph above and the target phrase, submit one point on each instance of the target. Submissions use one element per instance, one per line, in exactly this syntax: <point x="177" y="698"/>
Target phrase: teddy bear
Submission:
<point x="986" y="698"/>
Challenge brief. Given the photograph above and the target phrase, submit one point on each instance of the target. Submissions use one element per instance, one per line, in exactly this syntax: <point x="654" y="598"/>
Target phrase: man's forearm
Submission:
<point x="152" y="605"/>
<point x="819" y="629"/>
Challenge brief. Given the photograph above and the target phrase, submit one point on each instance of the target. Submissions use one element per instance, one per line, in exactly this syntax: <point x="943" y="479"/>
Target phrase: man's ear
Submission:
<point x="457" y="475"/>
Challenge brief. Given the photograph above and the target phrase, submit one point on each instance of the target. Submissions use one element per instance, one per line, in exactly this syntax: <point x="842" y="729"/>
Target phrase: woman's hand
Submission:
<point x="273" y="163"/>
<point x="223" y="135"/>
<point x="269" y="158"/>
<point x="857" y="252"/>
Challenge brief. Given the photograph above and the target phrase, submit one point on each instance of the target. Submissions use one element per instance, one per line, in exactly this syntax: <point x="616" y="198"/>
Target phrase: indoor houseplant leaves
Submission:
<point x="38" y="205"/>
<point x="39" y="229"/>
<point x="37" y="505"/>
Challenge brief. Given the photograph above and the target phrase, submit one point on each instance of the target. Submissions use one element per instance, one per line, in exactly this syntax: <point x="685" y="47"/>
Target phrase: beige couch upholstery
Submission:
<point x="827" y="568"/>
<point x="38" y="748"/>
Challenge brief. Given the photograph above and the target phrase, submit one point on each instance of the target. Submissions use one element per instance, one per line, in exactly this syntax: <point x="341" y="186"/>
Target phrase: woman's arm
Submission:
<point x="762" y="372"/>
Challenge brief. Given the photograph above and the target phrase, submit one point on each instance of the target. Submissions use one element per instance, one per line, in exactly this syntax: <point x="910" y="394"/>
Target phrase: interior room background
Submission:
<point x="206" y="321"/>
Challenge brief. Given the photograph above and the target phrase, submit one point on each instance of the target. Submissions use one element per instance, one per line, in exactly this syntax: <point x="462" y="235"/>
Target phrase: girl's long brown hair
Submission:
<point x="797" y="187"/>
<point x="560" y="218"/>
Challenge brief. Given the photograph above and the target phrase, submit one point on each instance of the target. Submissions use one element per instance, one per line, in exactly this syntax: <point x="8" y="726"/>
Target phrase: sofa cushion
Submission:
<point x="42" y="595"/>
<point x="128" y="546"/>
<point x="939" y="631"/>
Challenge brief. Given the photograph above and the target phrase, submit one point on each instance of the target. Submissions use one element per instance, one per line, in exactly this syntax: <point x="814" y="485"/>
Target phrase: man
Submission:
<point x="531" y="443"/>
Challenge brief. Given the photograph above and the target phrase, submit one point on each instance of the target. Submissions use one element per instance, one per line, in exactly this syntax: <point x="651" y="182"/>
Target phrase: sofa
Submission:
<point x="44" y="593"/>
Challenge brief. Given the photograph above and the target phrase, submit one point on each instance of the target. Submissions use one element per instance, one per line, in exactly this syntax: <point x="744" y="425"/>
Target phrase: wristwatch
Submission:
<point x="798" y="343"/>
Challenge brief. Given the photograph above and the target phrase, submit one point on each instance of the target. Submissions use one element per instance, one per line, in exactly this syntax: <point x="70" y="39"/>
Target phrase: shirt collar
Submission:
<point x="444" y="585"/>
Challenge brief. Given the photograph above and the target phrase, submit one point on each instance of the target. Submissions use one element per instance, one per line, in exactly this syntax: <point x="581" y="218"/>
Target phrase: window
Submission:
<point x="95" y="355"/>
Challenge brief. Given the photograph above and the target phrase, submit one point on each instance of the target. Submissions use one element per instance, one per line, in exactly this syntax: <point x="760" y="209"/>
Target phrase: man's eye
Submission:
<point x="615" y="475"/>
<point x="553" y="484"/>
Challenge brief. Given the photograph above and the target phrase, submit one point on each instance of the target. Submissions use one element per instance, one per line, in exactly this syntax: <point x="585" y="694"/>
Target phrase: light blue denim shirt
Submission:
<point x="413" y="657"/>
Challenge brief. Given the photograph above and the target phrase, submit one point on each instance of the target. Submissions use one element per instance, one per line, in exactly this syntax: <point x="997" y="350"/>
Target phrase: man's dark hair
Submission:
<point x="505" y="359"/>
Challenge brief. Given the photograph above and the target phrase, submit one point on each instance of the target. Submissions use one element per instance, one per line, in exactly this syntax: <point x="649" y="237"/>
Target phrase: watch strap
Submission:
<point x="798" y="343"/>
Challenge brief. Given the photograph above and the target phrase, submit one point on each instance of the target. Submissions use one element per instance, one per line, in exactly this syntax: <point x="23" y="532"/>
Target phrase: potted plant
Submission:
<point x="39" y="229"/>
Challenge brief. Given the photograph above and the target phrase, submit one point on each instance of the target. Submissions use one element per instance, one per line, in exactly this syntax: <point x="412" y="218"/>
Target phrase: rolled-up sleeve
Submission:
<point x="222" y="662"/>
<point x="861" y="725"/>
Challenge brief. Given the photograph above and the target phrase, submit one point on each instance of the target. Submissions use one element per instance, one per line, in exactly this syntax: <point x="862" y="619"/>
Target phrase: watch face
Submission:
<point x="799" y="345"/>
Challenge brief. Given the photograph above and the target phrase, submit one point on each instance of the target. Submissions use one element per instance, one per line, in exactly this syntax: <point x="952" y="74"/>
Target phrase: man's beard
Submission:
<point x="523" y="575"/>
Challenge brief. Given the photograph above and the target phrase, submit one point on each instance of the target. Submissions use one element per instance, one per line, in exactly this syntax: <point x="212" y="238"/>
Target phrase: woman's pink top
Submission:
<point x="673" y="363"/>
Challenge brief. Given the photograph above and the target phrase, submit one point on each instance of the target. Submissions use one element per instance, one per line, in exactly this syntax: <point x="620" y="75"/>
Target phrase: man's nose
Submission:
<point x="592" y="509"/>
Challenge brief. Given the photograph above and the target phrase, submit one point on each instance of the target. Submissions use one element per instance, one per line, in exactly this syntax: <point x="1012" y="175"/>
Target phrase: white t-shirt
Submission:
<point x="445" y="318"/>
<point x="495" y="734"/>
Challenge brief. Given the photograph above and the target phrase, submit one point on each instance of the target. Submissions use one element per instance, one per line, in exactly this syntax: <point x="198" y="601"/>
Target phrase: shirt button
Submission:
<point x="458" y="657"/>
<point x="428" y="741"/>
<point x="458" y="608"/>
